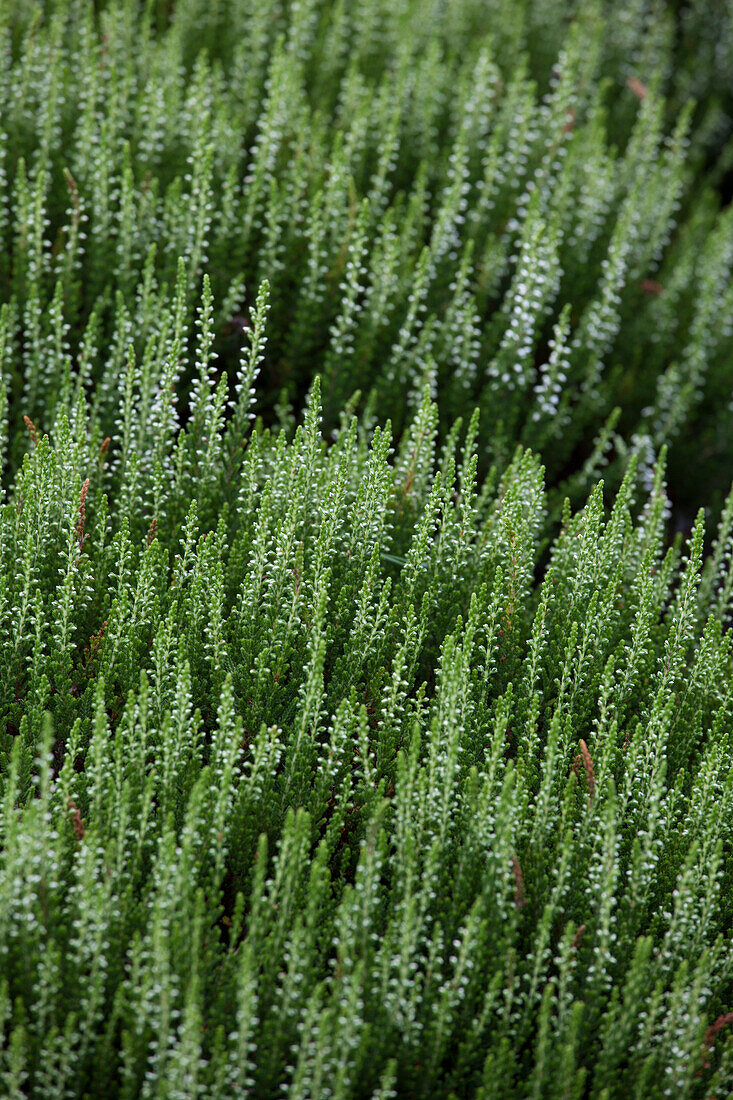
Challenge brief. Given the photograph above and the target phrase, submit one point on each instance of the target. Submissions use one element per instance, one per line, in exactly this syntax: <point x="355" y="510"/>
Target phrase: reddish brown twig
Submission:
<point x="640" y="90"/>
<point x="712" y="1031"/>
<point x="718" y="1025"/>
<point x="81" y="537"/>
<point x="578" y="937"/>
<point x="95" y="643"/>
<point x="584" y="757"/>
<point x="32" y="429"/>
<point x="77" y="822"/>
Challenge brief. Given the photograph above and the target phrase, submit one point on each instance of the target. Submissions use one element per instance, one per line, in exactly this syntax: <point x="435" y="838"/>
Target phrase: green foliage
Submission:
<point x="354" y="743"/>
<point x="325" y="787"/>
<point x="433" y="193"/>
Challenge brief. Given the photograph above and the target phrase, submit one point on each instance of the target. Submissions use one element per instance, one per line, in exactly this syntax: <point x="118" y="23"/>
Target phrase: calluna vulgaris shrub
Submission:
<point x="354" y="742"/>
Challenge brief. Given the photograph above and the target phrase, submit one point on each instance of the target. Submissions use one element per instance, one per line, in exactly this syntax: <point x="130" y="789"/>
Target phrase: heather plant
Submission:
<point x="311" y="788"/>
<point x="434" y="194"/>
<point x="355" y="739"/>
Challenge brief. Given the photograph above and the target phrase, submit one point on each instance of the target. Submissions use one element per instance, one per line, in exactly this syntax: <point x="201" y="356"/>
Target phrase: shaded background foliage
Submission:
<point x="325" y="148"/>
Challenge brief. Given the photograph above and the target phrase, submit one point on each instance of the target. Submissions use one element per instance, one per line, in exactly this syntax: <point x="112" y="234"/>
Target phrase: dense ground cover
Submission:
<point x="355" y="740"/>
